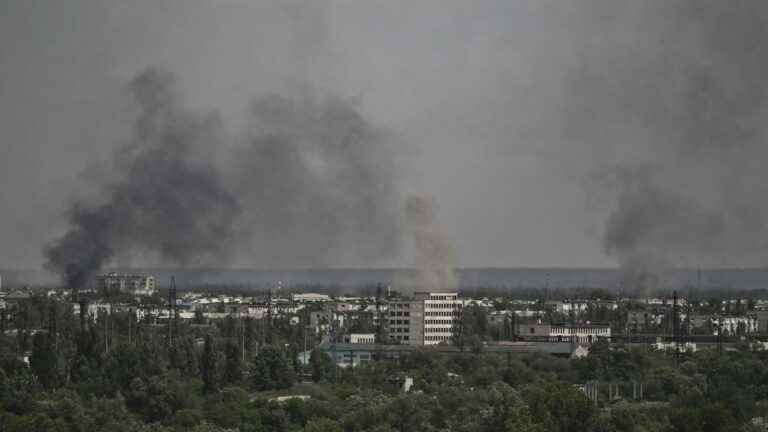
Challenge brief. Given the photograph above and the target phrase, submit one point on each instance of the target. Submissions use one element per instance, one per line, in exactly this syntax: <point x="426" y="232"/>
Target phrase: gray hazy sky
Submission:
<point x="475" y="91"/>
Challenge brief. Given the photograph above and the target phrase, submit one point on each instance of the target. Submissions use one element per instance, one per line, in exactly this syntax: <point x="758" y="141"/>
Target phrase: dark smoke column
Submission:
<point x="668" y="101"/>
<point x="168" y="198"/>
<point x="316" y="181"/>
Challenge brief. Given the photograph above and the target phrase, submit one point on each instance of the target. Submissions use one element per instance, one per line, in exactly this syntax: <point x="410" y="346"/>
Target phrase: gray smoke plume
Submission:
<point x="319" y="183"/>
<point x="651" y="227"/>
<point x="434" y="254"/>
<point x="669" y="99"/>
<point x="313" y="182"/>
<point x="167" y="199"/>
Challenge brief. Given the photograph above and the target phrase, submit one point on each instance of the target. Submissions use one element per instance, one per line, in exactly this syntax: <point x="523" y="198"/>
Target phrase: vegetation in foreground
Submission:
<point x="117" y="376"/>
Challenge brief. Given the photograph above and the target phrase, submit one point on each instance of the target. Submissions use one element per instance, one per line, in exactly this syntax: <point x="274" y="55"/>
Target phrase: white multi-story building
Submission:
<point x="428" y="319"/>
<point x="442" y="316"/>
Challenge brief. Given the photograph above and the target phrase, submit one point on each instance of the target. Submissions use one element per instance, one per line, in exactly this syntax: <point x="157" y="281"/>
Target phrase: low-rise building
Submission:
<point x="687" y="347"/>
<point x="359" y="338"/>
<point x="496" y="318"/>
<point x="580" y="333"/>
<point x="93" y="310"/>
<point x="568" y="306"/>
<point x="735" y="326"/>
<point x="310" y="298"/>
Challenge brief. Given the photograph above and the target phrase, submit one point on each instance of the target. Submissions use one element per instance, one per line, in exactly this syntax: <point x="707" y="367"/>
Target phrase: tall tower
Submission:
<point x="676" y="326"/>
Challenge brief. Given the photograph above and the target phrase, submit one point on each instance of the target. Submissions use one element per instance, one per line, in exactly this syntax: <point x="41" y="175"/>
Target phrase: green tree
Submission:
<point x="473" y="329"/>
<point x="208" y="367"/>
<point x="323" y="425"/>
<point x="409" y="413"/>
<point x="233" y="368"/>
<point x="271" y="370"/>
<point x="44" y="361"/>
<point x="321" y="364"/>
<point x="124" y="364"/>
<point x="559" y="407"/>
<point x="199" y="317"/>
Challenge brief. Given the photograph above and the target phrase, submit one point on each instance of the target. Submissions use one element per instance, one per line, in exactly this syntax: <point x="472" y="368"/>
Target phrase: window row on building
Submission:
<point x="438" y="329"/>
<point x="454" y="305"/>
<point x="399" y="322"/>
<point x="580" y="331"/>
<point x="440" y="321"/>
<point x="443" y="313"/>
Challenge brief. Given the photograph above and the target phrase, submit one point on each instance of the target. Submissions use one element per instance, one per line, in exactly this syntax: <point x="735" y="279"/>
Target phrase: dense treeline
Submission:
<point x="118" y="375"/>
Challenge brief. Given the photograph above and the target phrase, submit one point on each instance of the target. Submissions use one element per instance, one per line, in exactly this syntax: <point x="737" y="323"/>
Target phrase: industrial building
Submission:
<point x="578" y="333"/>
<point x="347" y="354"/>
<point x="138" y="285"/>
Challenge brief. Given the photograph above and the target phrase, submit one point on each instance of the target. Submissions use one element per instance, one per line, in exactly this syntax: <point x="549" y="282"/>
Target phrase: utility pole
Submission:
<point x="130" y="323"/>
<point x="698" y="281"/>
<point x="377" y="339"/>
<point x="719" y="334"/>
<point x="269" y="316"/>
<point x="171" y="311"/>
<point x="106" y="332"/>
<point x="242" y="337"/>
<point x="305" y="343"/>
<point x="675" y="327"/>
<point x="53" y="325"/>
<point x="83" y="311"/>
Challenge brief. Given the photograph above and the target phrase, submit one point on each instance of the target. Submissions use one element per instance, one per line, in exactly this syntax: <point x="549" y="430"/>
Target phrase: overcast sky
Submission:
<point x="474" y="91"/>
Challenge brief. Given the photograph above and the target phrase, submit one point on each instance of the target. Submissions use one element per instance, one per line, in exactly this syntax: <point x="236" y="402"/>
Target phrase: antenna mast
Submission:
<point x="172" y="311"/>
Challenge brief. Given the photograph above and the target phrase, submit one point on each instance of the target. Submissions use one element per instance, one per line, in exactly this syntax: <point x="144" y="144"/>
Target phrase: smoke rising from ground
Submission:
<point x="312" y="179"/>
<point x="434" y="254"/>
<point x="167" y="199"/>
<point x="669" y="99"/>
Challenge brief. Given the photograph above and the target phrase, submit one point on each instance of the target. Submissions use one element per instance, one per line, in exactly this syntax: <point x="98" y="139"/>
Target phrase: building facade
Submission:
<point x="427" y="319"/>
<point x="406" y="322"/>
<point x="442" y="316"/>
<point x="762" y="321"/>
<point x="359" y="338"/>
<point x="113" y="283"/>
<point x="580" y="333"/>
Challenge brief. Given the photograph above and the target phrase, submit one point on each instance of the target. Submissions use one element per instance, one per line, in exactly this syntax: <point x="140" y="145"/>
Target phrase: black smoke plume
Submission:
<point x="167" y="199"/>
<point x="310" y="184"/>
